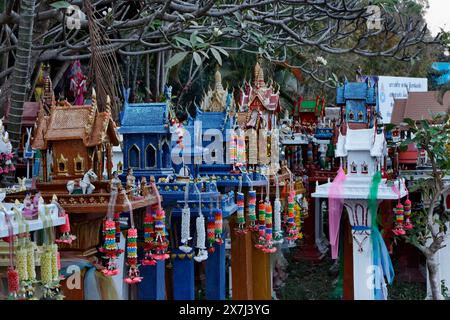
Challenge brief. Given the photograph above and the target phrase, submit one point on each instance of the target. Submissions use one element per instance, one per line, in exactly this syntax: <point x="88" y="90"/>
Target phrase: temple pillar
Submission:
<point x="241" y="263"/>
<point x="363" y="269"/>
<point x="215" y="273"/>
<point x="321" y="241"/>
<point x="153" y="285"/>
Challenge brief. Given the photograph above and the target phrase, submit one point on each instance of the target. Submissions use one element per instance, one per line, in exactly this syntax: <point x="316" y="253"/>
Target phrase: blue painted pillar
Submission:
<point x="153" y="286"/>
<point x="215" y="274"/>
<point x="183" y="276"/>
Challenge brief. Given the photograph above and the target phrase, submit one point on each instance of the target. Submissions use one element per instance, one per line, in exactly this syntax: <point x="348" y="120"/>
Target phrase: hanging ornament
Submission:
<point x="292" y="232"/>
<point x="55" y="262"/>
<point x="110" y="247"/>
<point x="211" y="233"/>
<point x="186" y="223"/>
<point x="407" y="212"/>
<point x="160" y="243"/>
<point x="13" y="282"/>
<point x="268" y="246"/>
<point x="133" y="271"/>
<point x="262" y="225"/>
<point x="399" y="217"/>
<point x="240" y="149"/>
<point x="66" y="236"/>
<point x="218" y="223"/>
<point x="240" y="213"/>
<point x="200" y="227"/>
<point x="252" y="210"/>
<point x="149" y="232"/>
<point x="278" y="233"/>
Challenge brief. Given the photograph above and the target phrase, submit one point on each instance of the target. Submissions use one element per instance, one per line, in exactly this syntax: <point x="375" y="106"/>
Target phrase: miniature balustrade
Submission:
<point x="33" y="225"/>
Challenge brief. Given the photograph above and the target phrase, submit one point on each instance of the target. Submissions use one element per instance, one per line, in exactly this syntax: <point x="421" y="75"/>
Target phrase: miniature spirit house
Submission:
<point x="146" y="139"/>
<point x="79" y="138"/>
<point x="363" y="148"/>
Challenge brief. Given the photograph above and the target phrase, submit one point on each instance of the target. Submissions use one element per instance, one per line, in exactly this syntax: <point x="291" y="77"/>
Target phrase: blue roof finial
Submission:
<point x="168" y="92"/>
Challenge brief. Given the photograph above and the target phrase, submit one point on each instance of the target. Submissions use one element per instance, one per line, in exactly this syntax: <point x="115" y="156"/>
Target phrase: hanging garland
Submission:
<point x="278" y="233"/>
<point x="186" y="223"/>
<point x="252" y="210"/>
<point x="149" y="235"/>
<point x="211" y="233"/>
<point x="268" y="245"/>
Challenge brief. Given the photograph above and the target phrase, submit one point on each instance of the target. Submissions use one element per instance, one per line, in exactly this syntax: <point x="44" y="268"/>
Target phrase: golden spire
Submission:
<point x="218" y="79"/>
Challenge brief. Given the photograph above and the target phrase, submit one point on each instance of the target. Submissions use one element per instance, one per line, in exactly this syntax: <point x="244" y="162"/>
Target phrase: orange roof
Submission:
<point x="420" y="104"/>
<point x="75" y="123"/>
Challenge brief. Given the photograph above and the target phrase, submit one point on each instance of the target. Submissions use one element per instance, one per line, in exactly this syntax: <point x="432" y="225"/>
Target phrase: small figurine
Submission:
<point x="85" y="184"/>
<point x="143" y="186"/>
<point x="30" y="211"/>
<point x="115" y="183"/>
<point x="131" y="180"/>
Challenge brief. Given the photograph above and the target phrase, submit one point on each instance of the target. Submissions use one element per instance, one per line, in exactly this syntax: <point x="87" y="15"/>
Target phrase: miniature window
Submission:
<point x="351" y="115"/>
<point x="165" y="155"/>
<point x="62" y="164"/>
<point x="134" y="157"/>
<point x="150" y="156"/>
<point x="79" y="164"/>
<point x="364" y="168"/>
<point x="360" y="116"/>
<point x="353" y="167"/>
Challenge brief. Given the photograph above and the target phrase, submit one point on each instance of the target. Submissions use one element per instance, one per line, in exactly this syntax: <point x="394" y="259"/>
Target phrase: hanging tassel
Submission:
<point x="399" y="217"/>
<point x="200" y="227"/>
<point x="66" y="236"/>
<point x="185" y="229"/>
<point x="240" y="213"/>
<point x="211" y="233"/>
<point x="110" y="247"/>
<point x="268" y="246"/>
<point x="252" y="210"/>
<point x="218" y="223"/>
<point x="262" y="225"/>
<point x="133" y="271"/>
<point x="22" y="264"/>
<point x="161" y="243"/>
<point x="55" y="262"/>
<point x="407" y="213"/>
<point x="278" y="233"/>
<point x="292" y="232"/>
<point x="46" y="265"/>
<point x="13" y="282"/>
<point x="148" y="239"/>
<point x="31" y="268"/>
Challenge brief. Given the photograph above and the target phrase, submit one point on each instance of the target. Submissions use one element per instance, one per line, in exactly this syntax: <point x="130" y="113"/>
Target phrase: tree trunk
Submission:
<point x="21" y="75"/>
<point x="433" y="270"/>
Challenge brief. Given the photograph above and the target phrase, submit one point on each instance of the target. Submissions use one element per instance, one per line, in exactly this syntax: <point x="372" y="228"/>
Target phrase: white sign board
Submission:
<point x="398" y="88"/>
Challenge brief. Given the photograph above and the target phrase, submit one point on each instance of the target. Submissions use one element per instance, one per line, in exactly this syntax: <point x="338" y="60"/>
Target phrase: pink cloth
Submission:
<point x="335" y="205"/>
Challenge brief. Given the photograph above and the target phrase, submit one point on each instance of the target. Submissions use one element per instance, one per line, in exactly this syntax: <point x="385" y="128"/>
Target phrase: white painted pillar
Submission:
<point x="363" y="279"/>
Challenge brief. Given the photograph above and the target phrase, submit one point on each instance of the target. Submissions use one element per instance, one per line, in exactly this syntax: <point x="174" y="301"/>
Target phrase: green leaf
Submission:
<point x="216" y="55"/>
<point x="197" y="58"/>
<point x="176" y="59"/>
<point x="193" y="38"/>
<point x="60" y="4"/>
<point x="184" y="41"/>
<point x="222" y="51"/>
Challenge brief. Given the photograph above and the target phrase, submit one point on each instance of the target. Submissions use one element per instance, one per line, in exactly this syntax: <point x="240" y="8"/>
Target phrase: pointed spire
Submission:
<point x="218" y="79"/>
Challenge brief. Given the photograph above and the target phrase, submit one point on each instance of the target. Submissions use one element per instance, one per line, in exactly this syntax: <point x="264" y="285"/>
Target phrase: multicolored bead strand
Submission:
<point x="268" y="247"/>
<point x="149" y="232"/>
<point x="240" y="212"/>
<point x="262" y="225"/>
<point x="407" y="213"/>
<point x="218" y="223"/>
<point x="399" y="217"/>
<point x="211" y="226"/>
<point x="292" y="232"/>
<point x="160" y="243"/>
<point x="133" y="271"/>
<point x="252" y="210"/>
<point x="110" y="247"/>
